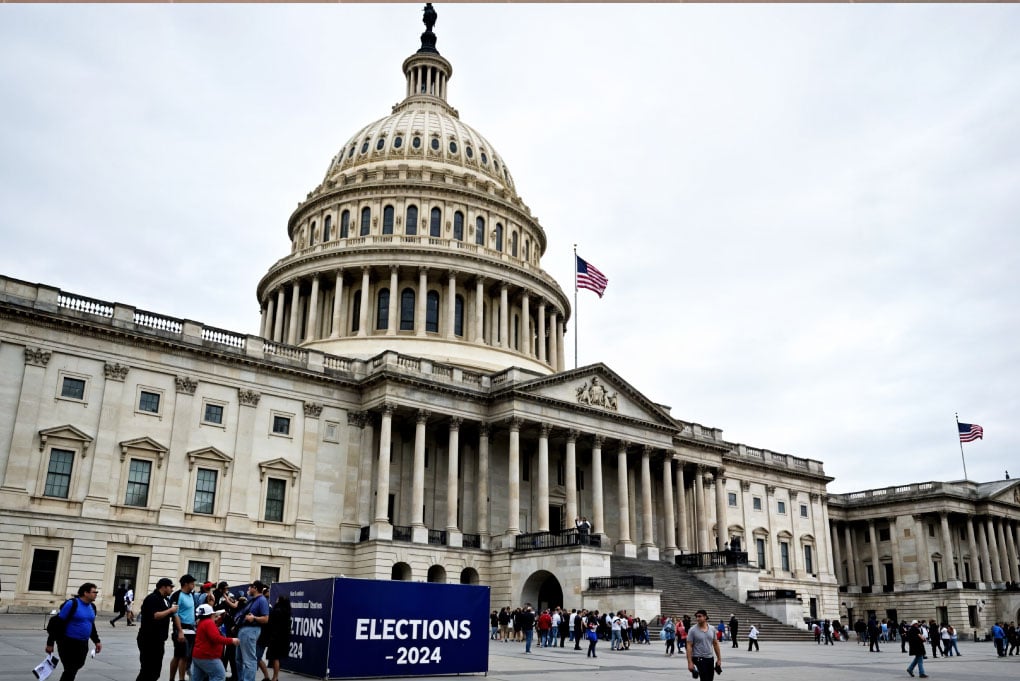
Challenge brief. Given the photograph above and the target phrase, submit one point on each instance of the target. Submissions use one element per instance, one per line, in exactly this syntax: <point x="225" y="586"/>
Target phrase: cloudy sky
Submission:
<point x="808" y="214"/>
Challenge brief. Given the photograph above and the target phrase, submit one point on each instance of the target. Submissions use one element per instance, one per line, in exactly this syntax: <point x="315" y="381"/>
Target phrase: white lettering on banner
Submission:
<point x="306" y="626"/>
<point x="306" y="605"/>
<point x="389" y="629"/>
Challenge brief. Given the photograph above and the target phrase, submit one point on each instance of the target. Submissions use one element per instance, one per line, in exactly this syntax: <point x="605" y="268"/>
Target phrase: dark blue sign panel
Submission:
<point x="311" y="610"/>
<point x="388" y="628"/>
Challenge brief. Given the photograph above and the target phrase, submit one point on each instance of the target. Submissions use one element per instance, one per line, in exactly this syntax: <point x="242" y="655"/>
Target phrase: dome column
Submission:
<point x="479" y="311"/>
<point x="504" y="317"/>
<point x="541" y="330"/>
<point x="393" y="323"/>
<point x="554" y="337"/>
<point x="312" y="329"/>
<point x="451" y="304"/>
<point x="292" y="322"/>
<point x="281" y="299"/>
<point x="267" y="321"/>
<point x="560" y="363"/>
<point x="525" y="341"/>
<point x="423" y="291"/>
<point x="363" y="313"/>
<point x="338" y="297"/>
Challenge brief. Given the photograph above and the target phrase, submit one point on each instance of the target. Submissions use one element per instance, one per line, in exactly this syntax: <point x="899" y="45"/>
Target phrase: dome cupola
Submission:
<point x="416" y="241"/>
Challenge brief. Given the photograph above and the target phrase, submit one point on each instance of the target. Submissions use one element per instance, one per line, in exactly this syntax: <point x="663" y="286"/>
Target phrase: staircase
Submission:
<point x="682" y="594"/>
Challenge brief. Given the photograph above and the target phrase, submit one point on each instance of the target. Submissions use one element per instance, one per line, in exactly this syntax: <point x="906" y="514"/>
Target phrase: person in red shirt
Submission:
<point x="544" y="629"/>
<point x="206" y="664"/>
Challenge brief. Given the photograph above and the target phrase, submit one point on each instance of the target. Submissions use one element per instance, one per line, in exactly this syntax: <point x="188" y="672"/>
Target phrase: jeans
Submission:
<point x="247" y="663"/>
<point x="617" y="640"/>
<point x="72" y="655"/>
<point x="919" y="663"/>
<point x="207" y="670"/>
<point x="528" y="635"/>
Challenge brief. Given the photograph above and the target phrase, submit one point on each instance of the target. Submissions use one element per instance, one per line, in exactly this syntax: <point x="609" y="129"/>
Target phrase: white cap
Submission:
<point x="205" y="610"/>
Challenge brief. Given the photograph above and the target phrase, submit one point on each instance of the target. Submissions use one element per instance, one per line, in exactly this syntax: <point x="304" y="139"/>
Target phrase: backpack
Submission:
<point x="57" y="625"/>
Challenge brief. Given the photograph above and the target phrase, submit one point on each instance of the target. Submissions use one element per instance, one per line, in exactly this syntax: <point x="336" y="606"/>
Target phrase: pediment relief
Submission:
<point x="279" y="467"/>
<point x="65" y="433"/>
<point x="144" y="445"/>
<point x="209" y="454"/>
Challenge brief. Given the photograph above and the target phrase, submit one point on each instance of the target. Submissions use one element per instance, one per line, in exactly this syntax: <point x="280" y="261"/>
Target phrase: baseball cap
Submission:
<point x="208" y="585"/>
<point x="205" y="610"/>
<point x="913" y="623"/>
<point x="166" y="581"/>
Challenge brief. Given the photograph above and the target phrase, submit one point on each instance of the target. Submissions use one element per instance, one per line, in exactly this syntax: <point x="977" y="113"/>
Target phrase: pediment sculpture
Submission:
<point x="594" y="394"/>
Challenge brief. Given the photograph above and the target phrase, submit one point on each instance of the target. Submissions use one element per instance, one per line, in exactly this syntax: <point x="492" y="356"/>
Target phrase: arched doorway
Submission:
<point x="401" y="572"/>
<point x="542" y="590"/>
<point x="469" y="576"/>
<point x="437" y="573"/>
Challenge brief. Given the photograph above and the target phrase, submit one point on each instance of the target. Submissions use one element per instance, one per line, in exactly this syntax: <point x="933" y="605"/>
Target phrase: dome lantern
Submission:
<point x="426" y="71"/>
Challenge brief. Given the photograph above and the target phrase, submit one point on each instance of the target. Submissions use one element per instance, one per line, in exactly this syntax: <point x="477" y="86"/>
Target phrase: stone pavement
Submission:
<point x="22" y="640"/>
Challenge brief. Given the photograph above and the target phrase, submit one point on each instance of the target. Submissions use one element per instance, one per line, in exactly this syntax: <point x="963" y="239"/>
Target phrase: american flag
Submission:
<point x="970" y="432"/>
<point x="589" y="277"/>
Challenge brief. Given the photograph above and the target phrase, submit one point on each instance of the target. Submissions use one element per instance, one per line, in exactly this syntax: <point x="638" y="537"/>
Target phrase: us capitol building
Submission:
<point x="406" y="413"/>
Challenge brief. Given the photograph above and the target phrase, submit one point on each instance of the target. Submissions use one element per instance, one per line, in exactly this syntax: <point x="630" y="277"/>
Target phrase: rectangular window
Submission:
<point x="138" y="483"/>
<point x="784" y="555"/>
<point x="883" y="534"/>
<point x="732" y="496"/>
<point x="781" y="507"/>
<point x="526" y="467"/>
<point x="808" y="563"/>
<point x="803" y="510"/>
<point x="199" y="569"/>
<point x="560" y="472"/>
<point x="148" y="402"/>
<point x="269" y="574"/>
<point x="281" y="425"/>
<point x="972" y="616"/>
<point x="213" y="414"/>
<point x="58" y="475"/>
<point x="759" y="545"/>
<point x="73" y="388"/>
<point x="43" y="576"/>
<point x="580" y="479"/>
<point x="931" y="530"/>
<point x="756" y="503"/>
<point x="276" y="491"/>
<point x="205" y="491"/>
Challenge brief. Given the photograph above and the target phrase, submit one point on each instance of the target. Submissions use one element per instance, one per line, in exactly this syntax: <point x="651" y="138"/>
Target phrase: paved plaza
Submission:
<point x="22" y="640"/>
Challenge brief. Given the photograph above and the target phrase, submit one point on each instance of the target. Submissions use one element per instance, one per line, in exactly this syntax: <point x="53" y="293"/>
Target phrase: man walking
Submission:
<point x="915" y="643"/>
<point x="251" y="619"/>
<point x="752" y="639"/>
<point x="527" y="622"/>
<point x="701" y="644"/>
<point x="154" y="620"/>
<point x="78" y="619"/>
<point x="734" y="626"/>
<point x="184" y="627"/>
<point x="874" y="631"/>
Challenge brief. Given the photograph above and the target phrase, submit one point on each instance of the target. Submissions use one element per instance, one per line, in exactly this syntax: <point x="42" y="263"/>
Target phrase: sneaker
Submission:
<point x="910" y="672"/>
<point x="923" y="676"/>
<point x="113" y="624"/>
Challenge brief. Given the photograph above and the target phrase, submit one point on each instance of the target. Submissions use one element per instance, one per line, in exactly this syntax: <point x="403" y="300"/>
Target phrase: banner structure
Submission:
<point x="361" y="628"/>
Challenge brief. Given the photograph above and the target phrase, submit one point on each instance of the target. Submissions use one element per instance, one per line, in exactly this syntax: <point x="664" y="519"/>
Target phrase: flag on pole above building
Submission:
<point x="588" y="276"/>
<point x="970" y="432"/>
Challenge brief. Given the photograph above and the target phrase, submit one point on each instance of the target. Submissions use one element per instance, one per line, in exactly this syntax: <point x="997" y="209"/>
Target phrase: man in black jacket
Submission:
<point x="527" y="622"/>
<point x="154" y="629"/>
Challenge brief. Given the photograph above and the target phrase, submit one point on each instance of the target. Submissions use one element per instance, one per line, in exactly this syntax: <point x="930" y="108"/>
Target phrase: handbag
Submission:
<point x="592" y="636"/>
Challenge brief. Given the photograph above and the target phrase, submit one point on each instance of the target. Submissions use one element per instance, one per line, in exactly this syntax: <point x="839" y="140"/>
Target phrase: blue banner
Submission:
<point x="311" y="611"/>
<point x="389" y="628"/>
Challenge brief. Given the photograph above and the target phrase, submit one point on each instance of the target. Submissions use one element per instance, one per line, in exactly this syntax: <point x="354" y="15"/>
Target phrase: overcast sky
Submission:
<point x="808" y="214"/>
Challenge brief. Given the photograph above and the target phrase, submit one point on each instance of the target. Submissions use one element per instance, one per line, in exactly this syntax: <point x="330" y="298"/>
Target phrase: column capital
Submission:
<point x="388" y="408"/>
<point x="745" y="485"/>
<point x="451" y="274"/>
<point x="770" y="489"/>
<point x="647" y="450"/>
<point x="37" y="356"/>
<point x="116" y="372"/>
<point x="484" y="428"/>
<point x="186" y="384"/>
<point x="572" y="435"/>
<point x="313" y="410"/>
<point x="357" y="419"/>
<point x="515" y="423"/>
<point x="455" y="422"/>
<point x="624" y="444"/>
<point x="394" y="269"/>
<point x="422" y="416"/>
<point x="598" y="441"/>
<point x="543" y="430"/>
<point x="248" y="398"/>
<point x="814" y="496"/>
<point x="423" y="269"/>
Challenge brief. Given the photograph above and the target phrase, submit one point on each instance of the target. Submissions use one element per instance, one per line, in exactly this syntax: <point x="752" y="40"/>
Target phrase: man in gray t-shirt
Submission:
<point x="703" y="653"/>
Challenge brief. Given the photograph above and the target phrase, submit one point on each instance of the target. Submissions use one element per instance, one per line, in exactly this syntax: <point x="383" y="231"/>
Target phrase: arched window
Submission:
<point x="345" y="224"/>
<point x="480" y="231"/>
<point x="387" y="220"/>
<point x="356" y="312"/>
<point x="311" y="233"/>
<point x="527" y="249"/>
<point x="458" y="315"/>
<point x="513" y="244"/>
<point x="458" y="226"/>
<point x="436" y="222"/>
<point x="516" y="344"/>
<point x="366" y="220"/>
<point x="407" y="309"/>
<point x="327" y="226"/>
<point x="432" y="311"/>
<point x="382" y="309"/>
<point x="499" y="237"/>
<point x="411" y="221"/>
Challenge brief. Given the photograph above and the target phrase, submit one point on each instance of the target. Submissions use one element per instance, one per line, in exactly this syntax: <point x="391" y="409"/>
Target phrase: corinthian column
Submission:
<point x="947" y="548"/>
<point x="483" y="483"/>
<point x="338" y="300"/>
<point x="541" y="330"/>
<point x="381" y="527"/>
<point x="514" y="464"/>
<point x="281" y="300"/>
<point x="525" y="341"/>
<point x="700" y="515"/>
<point x="625" y="546"/>
<point x="597" y="493"/>
<point x="542" y="512"/>
<point x="648" y="547"/>
<point x="453" y="533"/>
<point x="721" y="528"/>
<point x="993" y="551"/>
<point x="667" y="504"/>
<point x="419" y="533"/>
<point x="571" y="475"/>
<point x="292" y="326"/>
<point x="681" y="504"/>
<point x="392" y="313"/>
<point x="312" y="329"/>
<point x="974" y="563"/>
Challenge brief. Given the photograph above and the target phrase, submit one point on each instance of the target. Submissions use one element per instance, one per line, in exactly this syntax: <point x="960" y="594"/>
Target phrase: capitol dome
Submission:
<point x="417" y="242"/>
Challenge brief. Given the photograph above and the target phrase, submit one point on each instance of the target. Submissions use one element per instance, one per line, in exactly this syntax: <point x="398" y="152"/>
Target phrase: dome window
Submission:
<point x="416" y="142"/>
<point x="411" y="221"/>
<point x="470" y="153"/>
<point x="485" y="159"/>
<point x="364" y="147"/>
<point x="380" y="144"/>
<point x="453" y="147"/>
<point x="435" y="144"/>
<point x="398" y="142"/>
<point x="350" y="154"/>
<point x="495" y="164"/>
<point x="480" y="231"/>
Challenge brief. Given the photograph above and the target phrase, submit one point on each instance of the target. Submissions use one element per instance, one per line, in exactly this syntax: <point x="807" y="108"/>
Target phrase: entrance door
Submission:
<point x="126" y="572"/>
<point x="814" y="608"/>
<point x="555" y="518"/>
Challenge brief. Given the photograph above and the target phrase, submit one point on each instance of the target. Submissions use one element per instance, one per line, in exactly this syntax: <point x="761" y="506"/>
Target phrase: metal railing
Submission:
<point x="770" y="594"/>
<point x="472" y="541"/>
<point x="436" y="537"/>
<point x="553" y="540"/>
<point x="711" y="559"/>
<point x="620" y="582"/>
<point x="401" y="533"/>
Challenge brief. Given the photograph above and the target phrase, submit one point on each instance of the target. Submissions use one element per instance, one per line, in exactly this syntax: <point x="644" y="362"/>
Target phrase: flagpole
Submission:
<point x="575" y="306"/>
<point x="962" y="457"/>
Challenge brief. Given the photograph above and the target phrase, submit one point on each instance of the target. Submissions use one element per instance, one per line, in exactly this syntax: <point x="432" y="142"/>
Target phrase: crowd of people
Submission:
<point x="211" y="630"/>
